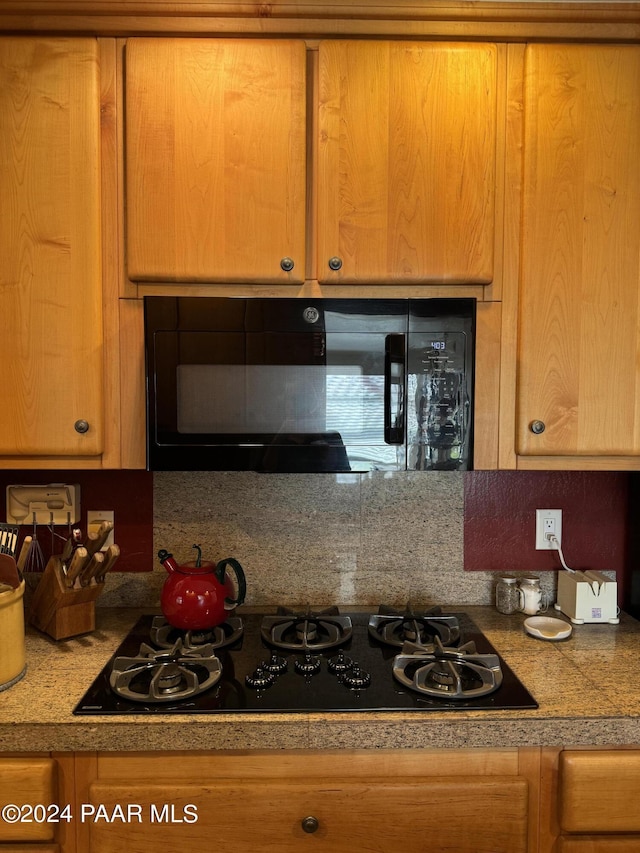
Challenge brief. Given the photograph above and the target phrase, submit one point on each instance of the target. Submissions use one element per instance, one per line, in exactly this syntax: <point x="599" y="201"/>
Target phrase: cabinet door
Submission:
<point x="215" y="159"/>
<point x="599" y="791"/>
<point x="28" y="782"/>
<point x="406" y="169"/>
<point x="50" y="244"/>
<point x="340" y="815"/>
<point x="579" y="343"/>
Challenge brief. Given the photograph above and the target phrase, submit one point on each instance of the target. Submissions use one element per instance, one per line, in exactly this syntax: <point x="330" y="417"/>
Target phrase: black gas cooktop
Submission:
<point x="354" y="673"/>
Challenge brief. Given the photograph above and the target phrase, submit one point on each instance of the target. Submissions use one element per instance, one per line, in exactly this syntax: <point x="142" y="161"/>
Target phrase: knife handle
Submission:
<point x="92" y="568"/>
<point x="96" y="540"/>
<point x="70" y="545"/>
<point x="111" y="555"/>
<point x="24" y="551"/>
<point x="76" y="564"/>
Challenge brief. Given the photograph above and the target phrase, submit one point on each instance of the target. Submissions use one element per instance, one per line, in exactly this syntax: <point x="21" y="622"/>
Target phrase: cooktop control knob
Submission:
<point x="308" y="665"/>
<point x="340" y="663"/>
<point x="275" y="664"/>
<point x="260" y="679"/>
<point x="356" y="678"/>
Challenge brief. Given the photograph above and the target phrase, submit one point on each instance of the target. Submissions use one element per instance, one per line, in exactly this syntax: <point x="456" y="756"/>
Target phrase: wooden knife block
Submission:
<point x="60" y="611"/>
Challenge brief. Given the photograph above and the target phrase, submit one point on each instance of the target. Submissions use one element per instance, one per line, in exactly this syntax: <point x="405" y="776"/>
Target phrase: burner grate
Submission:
<point x="310" y="631"/>
<point x="165" y="676"/>
<point x="164" y="636"/>
<point x="453" y="673"/>
<point x="396" y="627"/>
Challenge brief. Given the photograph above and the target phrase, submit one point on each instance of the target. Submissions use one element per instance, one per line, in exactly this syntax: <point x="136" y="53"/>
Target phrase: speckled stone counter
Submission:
<point x="582" y="685"/>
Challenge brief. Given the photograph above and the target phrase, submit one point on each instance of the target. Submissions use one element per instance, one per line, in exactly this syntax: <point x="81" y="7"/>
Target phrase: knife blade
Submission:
<point x="111" y="555"/>
<point x="76" y="564"/>
<point x="96" y="540"/>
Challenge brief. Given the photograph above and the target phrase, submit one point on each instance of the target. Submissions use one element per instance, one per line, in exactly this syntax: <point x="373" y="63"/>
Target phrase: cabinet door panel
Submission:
<point x="267" y="815"/>
<point x="406" y="171"/>
<point x="28" y="781"/>
<point x="598" y="791"/>
<point x="580" y="314"/>
<point x="215" y="150"/>
<point x="50" y="244"/>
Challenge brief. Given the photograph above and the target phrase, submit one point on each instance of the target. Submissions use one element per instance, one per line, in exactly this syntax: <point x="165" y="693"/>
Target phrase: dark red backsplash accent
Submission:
<point x="128" y="493"/>
<point x="500" y="512"/>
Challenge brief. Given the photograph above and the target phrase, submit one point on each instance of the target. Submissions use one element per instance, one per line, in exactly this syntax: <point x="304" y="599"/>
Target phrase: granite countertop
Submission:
<point x="582" y="686"/>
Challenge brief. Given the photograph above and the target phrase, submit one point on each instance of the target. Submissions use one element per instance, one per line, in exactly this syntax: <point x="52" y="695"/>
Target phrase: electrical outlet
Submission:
<point x="95" y="517"/>
<point x="548" y="521"/>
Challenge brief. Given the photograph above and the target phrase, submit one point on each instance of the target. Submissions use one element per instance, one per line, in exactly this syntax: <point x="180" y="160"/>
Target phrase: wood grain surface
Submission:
<point x="579" y="345"/>
<point x="406" y="166"/>
<point x="215" y="159"/>
<point x="50" y="275"/>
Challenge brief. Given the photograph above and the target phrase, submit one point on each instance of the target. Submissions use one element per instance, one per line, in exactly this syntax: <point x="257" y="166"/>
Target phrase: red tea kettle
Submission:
<point x="198" y="595"/>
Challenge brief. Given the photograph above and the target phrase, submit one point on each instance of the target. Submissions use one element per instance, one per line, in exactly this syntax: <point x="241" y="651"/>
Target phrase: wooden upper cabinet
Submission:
<point x="50" y="245"/>
<point x="407" y="162"/>
<point x="215" y="159"/>
<point x="579" y="344"/>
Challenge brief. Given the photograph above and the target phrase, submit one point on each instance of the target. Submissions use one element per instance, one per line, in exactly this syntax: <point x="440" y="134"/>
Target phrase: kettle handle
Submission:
<point x="241" y="582"/>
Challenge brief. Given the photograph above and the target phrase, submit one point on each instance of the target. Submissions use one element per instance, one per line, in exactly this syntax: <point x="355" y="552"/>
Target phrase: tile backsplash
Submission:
<point x="318" y="539"/>
<point x="424" y="538"/>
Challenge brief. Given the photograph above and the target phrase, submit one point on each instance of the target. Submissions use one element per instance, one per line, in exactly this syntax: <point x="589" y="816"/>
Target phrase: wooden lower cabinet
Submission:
<point x="470" y="801"/>
<point x="588" y="800"/>
<point x="40" y="786"/>
<point x="527" y="800"/>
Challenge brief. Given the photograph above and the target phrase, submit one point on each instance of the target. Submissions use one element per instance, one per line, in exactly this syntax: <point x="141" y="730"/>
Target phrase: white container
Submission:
<point x="533" y="600"/>
<point x="12" y="649"/>
<point x="588" y="597"/>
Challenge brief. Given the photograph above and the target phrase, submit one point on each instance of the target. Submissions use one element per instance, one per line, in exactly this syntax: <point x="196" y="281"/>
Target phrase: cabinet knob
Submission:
<point x="287" y="264"/>
<point x="81" y="426"/>
<point x="335" y="264"/>
<point x="310" y="824"/>
<point x="537" y="427"/>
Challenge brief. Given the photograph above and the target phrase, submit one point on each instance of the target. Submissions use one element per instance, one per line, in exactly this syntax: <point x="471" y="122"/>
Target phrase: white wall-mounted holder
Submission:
<point x="57" y="503"/>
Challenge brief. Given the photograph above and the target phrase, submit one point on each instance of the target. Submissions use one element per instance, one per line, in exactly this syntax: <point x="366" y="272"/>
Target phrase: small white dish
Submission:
<point x="547" y="628"/>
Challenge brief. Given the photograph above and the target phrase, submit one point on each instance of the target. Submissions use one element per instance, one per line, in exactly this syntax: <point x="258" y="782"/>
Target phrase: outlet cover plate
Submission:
<point x="544" y="518"/>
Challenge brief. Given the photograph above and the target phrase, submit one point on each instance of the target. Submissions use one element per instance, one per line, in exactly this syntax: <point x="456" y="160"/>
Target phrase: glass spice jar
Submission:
<point x="508" y="596"/>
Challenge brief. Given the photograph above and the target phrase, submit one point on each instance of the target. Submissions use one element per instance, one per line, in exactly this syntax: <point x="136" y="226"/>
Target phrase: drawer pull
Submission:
<point x="537" y="427"/>
<point x="310" y="824"/>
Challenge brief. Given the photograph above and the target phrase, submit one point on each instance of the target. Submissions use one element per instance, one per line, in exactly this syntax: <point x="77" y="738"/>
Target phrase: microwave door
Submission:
<point x="309" y="385"/>
<point x="279" y="402"/>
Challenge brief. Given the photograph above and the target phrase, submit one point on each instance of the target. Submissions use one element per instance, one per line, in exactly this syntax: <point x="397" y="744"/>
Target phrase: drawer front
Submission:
<point x="340" y="815"/>
<point x="599" y="791"/>
<point x="27" y="782"/>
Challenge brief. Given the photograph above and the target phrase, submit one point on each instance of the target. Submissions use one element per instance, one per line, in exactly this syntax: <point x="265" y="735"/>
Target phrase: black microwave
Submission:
<point x="309" y="385"/>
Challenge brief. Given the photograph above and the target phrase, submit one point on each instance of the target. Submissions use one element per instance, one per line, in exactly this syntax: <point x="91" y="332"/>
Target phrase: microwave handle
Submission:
<point x="394" y="375"/>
